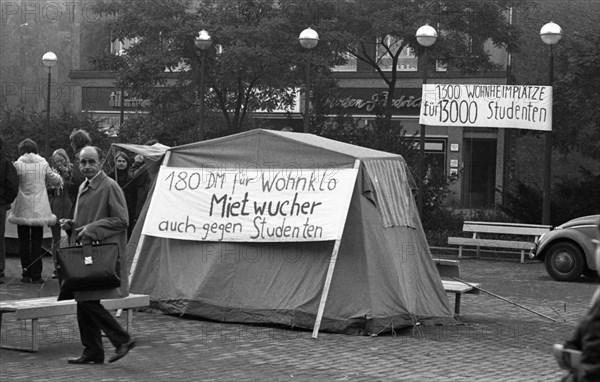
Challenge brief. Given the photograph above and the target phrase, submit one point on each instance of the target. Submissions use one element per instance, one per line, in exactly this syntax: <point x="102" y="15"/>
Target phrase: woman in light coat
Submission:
<point x="31" y="209"/>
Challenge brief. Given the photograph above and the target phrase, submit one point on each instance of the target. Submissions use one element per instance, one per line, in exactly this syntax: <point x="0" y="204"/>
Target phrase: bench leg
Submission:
<point x="34" y="344"/>
<point x="457" y="304"/>
<point x="460" y="251"/>
<point x="34" y="335"/>
<point x="129" y="319"/>
<point x="522" y="256"/>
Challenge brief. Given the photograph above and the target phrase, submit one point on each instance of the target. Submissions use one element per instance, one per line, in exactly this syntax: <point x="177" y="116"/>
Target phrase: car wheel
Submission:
<point x="564" y="262"/>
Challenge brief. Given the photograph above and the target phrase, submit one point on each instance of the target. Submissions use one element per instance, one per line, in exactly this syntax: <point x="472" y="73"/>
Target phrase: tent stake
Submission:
<point x="504" y="299"/>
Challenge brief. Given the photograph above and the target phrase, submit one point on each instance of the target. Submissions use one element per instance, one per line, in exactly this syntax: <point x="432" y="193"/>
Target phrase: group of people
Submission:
<point x="84" y="202"/>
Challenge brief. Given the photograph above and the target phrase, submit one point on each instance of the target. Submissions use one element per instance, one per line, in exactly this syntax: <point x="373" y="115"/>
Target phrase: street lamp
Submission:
<point x="550" y="34"/>
<point x="202" y="42"/>
<point x="426" y="37"/>
<point x="309" y="38"/>
<point x="49" y="59"/>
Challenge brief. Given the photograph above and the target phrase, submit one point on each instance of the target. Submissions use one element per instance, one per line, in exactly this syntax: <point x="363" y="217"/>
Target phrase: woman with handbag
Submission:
<point x="100" y="216"/>
<point x="60" y="203"/>
<point x="31" y="209"/>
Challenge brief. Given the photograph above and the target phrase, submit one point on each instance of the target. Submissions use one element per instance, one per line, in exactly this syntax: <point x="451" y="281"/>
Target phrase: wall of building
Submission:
<point x="29" y="29"/>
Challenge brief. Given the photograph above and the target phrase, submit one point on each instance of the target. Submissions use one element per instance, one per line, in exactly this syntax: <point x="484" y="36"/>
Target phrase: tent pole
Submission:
<point x="330" y="269"/>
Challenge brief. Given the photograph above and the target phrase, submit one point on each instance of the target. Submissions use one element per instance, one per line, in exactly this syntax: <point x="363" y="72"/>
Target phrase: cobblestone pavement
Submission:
<point x="496" y="342"/>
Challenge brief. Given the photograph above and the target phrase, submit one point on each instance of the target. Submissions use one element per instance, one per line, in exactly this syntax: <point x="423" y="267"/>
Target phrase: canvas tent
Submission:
<point x="384" y="277"/>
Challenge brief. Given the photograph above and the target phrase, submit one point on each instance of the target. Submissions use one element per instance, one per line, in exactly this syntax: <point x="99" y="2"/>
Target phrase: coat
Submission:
<point x="31" y="206"/>
<point x="101" y="207"/>
<point x="128" y="184"/>
<point x="9" y="181"/>
<point x="76" y="179"/>
<point x="587" y="339"/>
<point x="60" y="202"/>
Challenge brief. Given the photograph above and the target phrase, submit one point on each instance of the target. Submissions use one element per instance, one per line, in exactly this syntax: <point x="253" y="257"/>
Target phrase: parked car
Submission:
<point x="569" y="250"/>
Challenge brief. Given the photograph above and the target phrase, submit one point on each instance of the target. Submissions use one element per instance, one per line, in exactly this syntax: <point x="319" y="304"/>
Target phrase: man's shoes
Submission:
<point x="37" y="281"/>
<point x="84" y="359"/>
<point x="2" y="273"/>
<point x="26" y="280"/>
<point x="122" y="350"/>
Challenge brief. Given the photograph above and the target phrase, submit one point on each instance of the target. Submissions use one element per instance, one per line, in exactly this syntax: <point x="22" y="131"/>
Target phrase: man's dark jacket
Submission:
<point x="9" y="181"/>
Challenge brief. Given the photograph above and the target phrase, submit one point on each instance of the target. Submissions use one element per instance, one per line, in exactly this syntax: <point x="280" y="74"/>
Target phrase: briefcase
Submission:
<point x="88" y="267"/>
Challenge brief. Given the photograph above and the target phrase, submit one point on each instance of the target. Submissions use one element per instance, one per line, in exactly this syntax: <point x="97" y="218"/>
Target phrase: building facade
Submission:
<point x="487" y="160"/>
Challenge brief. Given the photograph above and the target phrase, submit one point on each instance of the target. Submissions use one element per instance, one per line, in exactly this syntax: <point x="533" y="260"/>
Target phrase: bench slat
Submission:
<point x="458" y="287"/>
<point x="48" y="306"/>
<point x="503" y="224"/>
<point x="520" y="245"/>
<point x="507" y="229"/>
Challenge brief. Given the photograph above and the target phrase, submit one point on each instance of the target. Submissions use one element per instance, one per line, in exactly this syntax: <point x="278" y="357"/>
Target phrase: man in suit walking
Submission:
<point x="100" y="215"/>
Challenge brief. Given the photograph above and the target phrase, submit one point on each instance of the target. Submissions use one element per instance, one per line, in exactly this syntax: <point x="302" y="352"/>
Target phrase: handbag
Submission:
<point x="88" y="267"/>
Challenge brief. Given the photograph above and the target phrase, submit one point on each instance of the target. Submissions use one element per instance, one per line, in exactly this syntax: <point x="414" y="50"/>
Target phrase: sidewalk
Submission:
<point x="498" y="341"/>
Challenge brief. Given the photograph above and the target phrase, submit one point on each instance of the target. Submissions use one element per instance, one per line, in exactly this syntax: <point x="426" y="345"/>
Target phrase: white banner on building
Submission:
<point x="270" y="205"/>
<point x="501" y="106"/>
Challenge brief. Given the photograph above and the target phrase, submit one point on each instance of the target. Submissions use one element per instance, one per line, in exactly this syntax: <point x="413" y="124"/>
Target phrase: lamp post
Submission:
<point x="308" y="38"/>
<point x="426" y="37"/>
<point x="49" y="59"/>
<point x="202" y="42"/>
<point x="550" y="34"/>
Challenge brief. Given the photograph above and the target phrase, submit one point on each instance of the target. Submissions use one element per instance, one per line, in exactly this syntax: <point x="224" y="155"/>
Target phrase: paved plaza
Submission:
<point x="497" y="341"/>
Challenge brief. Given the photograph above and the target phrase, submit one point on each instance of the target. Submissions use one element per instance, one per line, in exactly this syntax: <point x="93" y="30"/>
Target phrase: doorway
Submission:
<point x="479" y="173"/>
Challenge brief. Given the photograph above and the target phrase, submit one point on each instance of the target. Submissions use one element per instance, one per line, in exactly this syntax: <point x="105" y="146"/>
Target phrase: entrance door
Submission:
<point x="479" y="174"/>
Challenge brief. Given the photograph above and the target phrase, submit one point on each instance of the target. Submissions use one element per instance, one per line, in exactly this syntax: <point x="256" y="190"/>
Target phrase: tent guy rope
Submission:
<point x="505" y="299"/>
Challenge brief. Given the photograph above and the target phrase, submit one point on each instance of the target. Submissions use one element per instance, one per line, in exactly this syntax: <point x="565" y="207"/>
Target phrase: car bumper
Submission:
<point x="533" y="252"/>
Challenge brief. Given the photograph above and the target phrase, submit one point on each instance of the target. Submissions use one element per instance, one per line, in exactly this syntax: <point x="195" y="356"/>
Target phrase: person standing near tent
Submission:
<point x="79" y="139"/>
<point x="31" y="209"/>
<point x="9" y="187"/>
<point x="60" y="203"/>
<point x="124" y="177"/>
<point x="100" y="215"/>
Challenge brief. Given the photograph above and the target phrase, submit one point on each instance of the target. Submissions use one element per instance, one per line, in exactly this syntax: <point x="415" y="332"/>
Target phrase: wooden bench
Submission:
<point x="448" y="270"/>
<point x="35" y="308"/>
<point x="529" y="232"/>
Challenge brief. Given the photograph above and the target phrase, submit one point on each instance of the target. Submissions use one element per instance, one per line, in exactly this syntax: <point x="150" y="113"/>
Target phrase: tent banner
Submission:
<point x="270" y="205"/>
<point x="501" y="106"/>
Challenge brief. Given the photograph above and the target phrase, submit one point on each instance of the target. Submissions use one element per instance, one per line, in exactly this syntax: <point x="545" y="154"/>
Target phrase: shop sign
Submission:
<point x="406" y="101"/>
<point x="109" y="99"/>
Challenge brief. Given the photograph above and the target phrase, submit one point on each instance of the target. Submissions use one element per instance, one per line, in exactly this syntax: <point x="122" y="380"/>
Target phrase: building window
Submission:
<point x="441" y="66"/>
<point x="119" y="47"/>
<point x="348" y="66"/>
<point x="435" y="157"/>
<point x="407" y="61"/>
